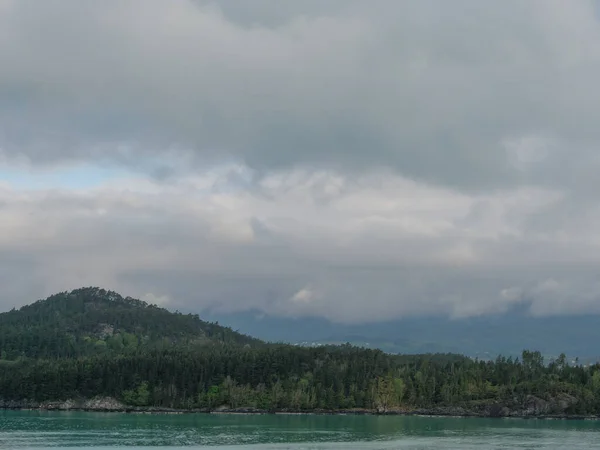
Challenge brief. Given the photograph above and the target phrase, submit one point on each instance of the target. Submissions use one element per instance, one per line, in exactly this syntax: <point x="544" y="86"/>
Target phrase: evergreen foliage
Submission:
<point x="89" y="321"/>
<point x="91" y="342"/>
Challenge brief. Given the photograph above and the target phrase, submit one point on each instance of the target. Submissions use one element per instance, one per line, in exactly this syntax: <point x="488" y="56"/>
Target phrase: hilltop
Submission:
<point x="92" y="320"/>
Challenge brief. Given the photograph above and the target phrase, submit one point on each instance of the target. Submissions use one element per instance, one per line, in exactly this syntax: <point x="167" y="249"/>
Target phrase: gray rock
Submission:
<point x="104" y="404"/>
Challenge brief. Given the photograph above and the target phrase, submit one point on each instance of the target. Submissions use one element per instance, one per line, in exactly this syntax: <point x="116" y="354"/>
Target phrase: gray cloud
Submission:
<point x="305" y="157"/>
<point x="432" y="89"/>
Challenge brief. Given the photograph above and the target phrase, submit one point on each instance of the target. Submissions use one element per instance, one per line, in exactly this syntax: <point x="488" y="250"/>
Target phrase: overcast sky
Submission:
<point x="357" y="160"/>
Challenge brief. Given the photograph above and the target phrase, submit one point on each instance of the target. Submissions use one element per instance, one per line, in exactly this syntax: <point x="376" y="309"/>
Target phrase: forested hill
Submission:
<point x="92" y="345"/>
<point x="92" y="320"/>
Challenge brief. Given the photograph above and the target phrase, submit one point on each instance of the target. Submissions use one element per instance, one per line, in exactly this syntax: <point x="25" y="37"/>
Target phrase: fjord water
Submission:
<point x="37" y="429"/>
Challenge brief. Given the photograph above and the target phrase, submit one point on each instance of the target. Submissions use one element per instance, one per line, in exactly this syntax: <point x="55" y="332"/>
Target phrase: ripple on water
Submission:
<point x="38" y="430"/>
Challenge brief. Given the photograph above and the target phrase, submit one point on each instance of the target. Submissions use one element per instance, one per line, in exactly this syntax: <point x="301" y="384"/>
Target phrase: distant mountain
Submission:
<point x="90" y="320"/>
<point x="483" y="337"/>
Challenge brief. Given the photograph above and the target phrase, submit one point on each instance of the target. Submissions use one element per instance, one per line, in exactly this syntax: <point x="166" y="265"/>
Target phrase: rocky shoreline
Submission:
<point x="532" y="407"/>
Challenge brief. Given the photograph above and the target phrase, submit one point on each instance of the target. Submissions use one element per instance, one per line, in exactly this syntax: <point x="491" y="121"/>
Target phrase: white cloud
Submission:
<point x="153" y="299"/>
<point x="548" y="286"/>
<point x="304" y="295"/>
<point x="377" y="246"/>
<point x="528" y="151"/>
<point x="511" y="294"/>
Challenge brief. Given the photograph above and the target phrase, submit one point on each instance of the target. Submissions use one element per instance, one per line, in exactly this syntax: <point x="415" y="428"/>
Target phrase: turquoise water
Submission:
<point x="38" y="429"/>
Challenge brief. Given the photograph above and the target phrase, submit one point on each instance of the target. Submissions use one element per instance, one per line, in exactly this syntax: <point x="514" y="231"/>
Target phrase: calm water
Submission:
<point x="33" y="429"/>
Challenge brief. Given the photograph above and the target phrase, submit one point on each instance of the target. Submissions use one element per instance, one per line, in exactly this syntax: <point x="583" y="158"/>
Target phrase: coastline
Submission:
<point x="110" y="405"/>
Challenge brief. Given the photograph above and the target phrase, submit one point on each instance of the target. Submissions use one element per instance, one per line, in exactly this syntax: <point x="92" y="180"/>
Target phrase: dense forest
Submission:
<point x="90" y="321"/>
<point x="90" y="343"/>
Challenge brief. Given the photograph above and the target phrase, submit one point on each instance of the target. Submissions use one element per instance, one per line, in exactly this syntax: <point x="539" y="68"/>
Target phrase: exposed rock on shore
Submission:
<point x="95" y="404"/>
<point x="531" y="407"/>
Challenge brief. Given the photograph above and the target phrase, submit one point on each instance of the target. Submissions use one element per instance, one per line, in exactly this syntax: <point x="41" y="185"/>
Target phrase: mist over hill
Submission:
<point x="484" y="337"/>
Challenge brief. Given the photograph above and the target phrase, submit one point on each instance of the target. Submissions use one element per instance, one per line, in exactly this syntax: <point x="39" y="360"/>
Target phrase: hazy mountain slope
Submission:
<point x="506" y="334"/>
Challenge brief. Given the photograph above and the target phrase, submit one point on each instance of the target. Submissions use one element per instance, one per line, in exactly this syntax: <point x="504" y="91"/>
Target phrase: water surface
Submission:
<point x="39" y="429"/>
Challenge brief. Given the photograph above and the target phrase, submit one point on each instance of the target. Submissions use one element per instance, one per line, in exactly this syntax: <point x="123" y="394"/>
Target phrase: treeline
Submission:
<point x="287" y="377"/>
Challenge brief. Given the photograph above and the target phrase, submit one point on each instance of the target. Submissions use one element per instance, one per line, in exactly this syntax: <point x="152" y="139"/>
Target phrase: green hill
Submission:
<point x="91" y="321"/>
<point x="93" y="345"/>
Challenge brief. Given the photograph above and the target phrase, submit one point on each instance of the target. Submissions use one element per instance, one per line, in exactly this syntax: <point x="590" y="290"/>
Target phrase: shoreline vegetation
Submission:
<point x="111" y="405"/>
<point x="125" y="355"/>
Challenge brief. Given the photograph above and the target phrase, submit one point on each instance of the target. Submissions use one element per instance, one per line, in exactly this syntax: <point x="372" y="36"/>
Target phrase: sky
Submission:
<point x="357" y="161"/>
